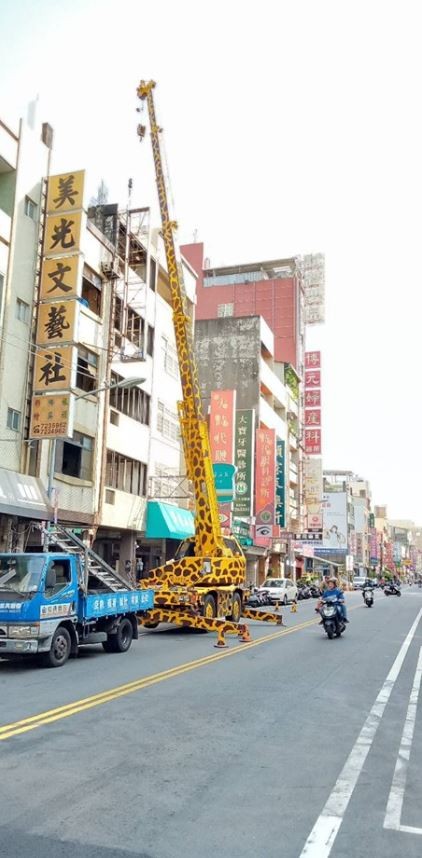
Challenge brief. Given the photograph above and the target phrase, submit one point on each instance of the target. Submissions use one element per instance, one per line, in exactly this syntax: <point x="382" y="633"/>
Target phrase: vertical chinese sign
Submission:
<point x="222" y="429"/>
<point x="281" y="482"/>
<point x="265" y="483"/>
<point x="312" y="401"/>
<point x="243" y="459"/>
<point x="58" y="310"/>
<point x="373" y="546"/>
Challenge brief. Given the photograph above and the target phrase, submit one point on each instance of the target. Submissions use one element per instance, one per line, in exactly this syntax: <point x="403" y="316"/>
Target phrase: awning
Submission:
<point x="328" y="562"/>
<point x="22" y="495"/>
<point x="165" y="521"/>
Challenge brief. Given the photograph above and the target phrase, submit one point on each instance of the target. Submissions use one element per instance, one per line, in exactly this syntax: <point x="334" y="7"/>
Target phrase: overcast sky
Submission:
<point x="291" y="127"/>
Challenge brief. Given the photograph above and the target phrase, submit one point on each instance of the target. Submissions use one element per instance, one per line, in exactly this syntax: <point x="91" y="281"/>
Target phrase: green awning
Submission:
<point x="165" y="521"/>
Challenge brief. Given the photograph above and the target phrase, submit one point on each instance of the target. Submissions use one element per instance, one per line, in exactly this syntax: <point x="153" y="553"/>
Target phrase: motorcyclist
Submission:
<point x="333" y="591"/>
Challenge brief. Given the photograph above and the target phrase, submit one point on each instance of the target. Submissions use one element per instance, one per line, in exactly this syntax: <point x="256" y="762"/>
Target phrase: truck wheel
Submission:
<point x="59" y="650"/>
<point x="150" y="625"/>
<point x="124" y="636"/>
<point x="108" y="645"/>
<point x="210" y="608"/>
<point x="236" y="608"/>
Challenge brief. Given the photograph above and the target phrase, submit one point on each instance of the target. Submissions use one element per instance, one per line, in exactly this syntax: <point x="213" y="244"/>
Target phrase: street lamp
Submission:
<point x="125" y="383"/>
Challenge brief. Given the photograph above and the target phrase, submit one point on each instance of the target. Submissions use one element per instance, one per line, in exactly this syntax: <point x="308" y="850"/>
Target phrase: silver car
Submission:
<point x="280" y="590"/>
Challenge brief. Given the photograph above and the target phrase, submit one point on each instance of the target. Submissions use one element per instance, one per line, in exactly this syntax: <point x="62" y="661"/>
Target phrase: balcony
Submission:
<point x="268" y="416"/>
<point x="273" y="384"/>
<point x="292" y="441"/>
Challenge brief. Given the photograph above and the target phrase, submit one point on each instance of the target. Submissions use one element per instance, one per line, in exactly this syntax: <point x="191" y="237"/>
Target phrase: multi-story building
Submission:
<point x="238" y="354"/>
<point x="272" y="289"/>
<point x="24" y="160"/>
<point x="110" y="476"/>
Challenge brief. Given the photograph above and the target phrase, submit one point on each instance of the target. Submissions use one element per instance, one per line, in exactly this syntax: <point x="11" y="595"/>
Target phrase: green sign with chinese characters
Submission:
<point x="243" y="459"/>
<point x="224" y="476"/>
<point x="280" y="482"/>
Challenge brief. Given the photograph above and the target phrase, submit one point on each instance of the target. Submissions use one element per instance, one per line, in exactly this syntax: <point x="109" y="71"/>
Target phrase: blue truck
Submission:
<point x="53" y="602"/>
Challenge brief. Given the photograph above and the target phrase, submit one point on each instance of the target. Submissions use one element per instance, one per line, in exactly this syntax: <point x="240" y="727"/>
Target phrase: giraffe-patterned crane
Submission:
<point x="205" y="581"/>
<point x="208" y="541"/>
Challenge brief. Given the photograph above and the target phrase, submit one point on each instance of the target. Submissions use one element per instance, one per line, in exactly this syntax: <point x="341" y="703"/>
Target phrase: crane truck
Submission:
<point x="203" y="586"/>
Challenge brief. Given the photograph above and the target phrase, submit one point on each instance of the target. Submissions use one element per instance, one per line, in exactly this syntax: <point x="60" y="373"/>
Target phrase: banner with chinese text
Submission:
<point x="51" y="416"/>
<point x="243" y="459"/>
<point x="281" y="482"/>
<point x="312" y="402"/>
<point x="265" y="482"/>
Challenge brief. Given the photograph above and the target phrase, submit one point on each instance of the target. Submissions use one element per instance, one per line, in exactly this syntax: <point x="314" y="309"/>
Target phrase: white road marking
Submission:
<point x="326" y="828"/>
<point x="396" y="797"/>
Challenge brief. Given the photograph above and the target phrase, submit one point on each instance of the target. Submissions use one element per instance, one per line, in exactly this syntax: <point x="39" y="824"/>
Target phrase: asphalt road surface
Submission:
<point x="293" y="746"/>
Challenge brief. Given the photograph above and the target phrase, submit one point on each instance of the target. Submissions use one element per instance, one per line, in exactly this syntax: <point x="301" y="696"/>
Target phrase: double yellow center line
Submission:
<point x="26" y="724"/>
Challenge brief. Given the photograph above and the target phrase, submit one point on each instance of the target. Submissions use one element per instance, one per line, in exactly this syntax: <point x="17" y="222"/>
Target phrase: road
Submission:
<point x="283" y="748"/>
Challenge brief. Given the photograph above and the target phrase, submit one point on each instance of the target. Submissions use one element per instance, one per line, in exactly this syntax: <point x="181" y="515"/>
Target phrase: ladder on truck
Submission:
<point x="93" y="566"/>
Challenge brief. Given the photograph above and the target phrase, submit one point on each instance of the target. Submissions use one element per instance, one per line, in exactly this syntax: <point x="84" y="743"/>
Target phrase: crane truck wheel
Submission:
<point x="210" y="607"/>
<point x="236" y="609"/>
<point x="150" y="625"/>
<point x="59" y="652"/>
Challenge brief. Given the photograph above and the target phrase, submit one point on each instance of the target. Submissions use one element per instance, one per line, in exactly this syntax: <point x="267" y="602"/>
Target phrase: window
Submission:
<point x="91" y="289"/>
<point x="74" y="458"/>
<point x="22" y="311"/>
<point x="152" y="273"/>
<point x="135" y="328"/>
<point x="131" y="401"/>
<point x="225" y="310"/>
<point x="118" y="314"/>
<point x="150" y="340"/>
<point x="167" y="422"/>
<point x="171" y="363"/>
<point x="30" y="208"/>
<point x="86" y="370"/>
<point x="61" y="576"/>
<point x="13" y="419"/>
<point x="127" y="475"/>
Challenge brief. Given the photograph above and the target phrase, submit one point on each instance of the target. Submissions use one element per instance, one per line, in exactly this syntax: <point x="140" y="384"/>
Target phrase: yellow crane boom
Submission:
<point x="208" y="537"/>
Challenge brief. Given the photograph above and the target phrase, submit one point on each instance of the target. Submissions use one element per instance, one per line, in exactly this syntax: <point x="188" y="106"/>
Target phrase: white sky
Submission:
<point x="291" y="127"/>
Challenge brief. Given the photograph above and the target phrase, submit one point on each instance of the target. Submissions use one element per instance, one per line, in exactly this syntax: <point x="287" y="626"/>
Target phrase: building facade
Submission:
<point x="238" y="354"/>
<point x="108" y="474"/>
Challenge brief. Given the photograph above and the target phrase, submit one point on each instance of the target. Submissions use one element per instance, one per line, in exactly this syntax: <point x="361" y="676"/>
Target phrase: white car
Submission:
<point x="280" y="590"/>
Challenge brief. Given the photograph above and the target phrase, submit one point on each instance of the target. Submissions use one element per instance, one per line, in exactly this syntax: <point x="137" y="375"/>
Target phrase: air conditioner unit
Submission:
<point x="111" y="268"/>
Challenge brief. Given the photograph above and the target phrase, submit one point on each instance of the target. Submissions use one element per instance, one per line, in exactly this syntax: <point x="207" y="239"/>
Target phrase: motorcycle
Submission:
<point x="368" y="597"/>
<point x="257" y="599"/>
<point x="304" y="592"/>
<point x="392" y="590"/>
<point x="332" y="618"/>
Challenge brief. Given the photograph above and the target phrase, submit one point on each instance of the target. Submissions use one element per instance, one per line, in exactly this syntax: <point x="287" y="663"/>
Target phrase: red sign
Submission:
<point x="312" y="417"/>
<point x="265" y="481"/>
<point x="222" y="414"/>
<point x="313" y="378"/>
<point x="312" y="398"/>
<point x="313" y="441"/>
<point x="312" y="360"/>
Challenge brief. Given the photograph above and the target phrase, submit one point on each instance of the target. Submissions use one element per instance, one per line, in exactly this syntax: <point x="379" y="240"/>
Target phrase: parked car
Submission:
<point x="280" y="590"/>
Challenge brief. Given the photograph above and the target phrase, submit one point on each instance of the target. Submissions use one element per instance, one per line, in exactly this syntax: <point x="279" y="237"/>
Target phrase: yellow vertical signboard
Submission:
<point x="56" y="322"/>
<point x="60" y="278"/>
<point x="54" y="369"/>
<point x="62" y="234"/>
<point x="51" y="416"/>
<point x="66" y="192"/>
